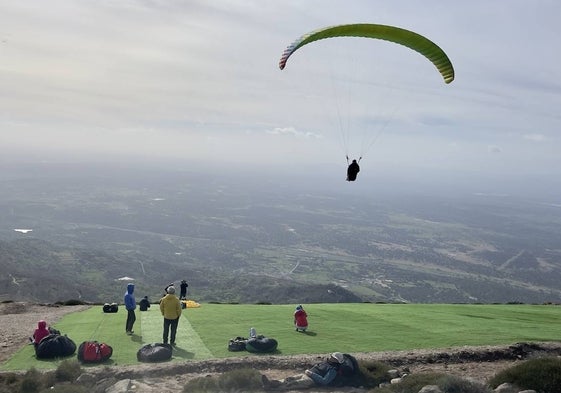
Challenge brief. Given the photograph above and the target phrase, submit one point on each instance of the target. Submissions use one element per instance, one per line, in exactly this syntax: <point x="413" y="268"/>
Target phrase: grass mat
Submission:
<point x="204" y="332"/>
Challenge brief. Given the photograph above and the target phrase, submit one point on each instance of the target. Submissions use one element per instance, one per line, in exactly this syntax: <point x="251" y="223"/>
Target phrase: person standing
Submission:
<point x="183" y="287"/>
<point x="130" y="305"/>
<point x="167" y="286"/>
<point x="171" y="311"/>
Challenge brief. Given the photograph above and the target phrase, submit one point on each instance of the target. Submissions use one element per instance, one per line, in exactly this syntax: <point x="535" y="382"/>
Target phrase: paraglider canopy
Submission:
<point x="394" y="34"/>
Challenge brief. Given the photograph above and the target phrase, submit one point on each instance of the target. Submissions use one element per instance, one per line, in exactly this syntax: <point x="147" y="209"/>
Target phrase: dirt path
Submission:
<point x="19" y="320"/>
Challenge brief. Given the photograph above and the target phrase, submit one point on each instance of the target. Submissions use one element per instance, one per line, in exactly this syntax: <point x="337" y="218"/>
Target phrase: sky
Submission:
<point x="199" y="80"/>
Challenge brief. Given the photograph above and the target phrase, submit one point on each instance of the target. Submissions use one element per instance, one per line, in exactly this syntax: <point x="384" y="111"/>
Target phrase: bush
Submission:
<point x="242" y="380"/>
<point x="372" y="373"/>
<point x="34" y="381"/>
<point x="68" y="370"/>
<point x="453" y="384"/>
<point x="8" y="382"/>
<point x="31" y="382"/>
<point x="446" y="383"/>
<point x="541" y="375"/>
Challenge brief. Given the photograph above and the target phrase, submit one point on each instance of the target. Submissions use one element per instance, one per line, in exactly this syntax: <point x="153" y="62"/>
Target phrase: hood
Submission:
<point x="42" y="324"/>
<point x="338" y="356"/>
<point x="130" y="288"/>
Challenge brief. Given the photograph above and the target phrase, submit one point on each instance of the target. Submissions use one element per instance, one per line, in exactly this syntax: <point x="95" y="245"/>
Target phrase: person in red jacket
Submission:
<point x="300" y="319"/>
<point x="41" y="332"/>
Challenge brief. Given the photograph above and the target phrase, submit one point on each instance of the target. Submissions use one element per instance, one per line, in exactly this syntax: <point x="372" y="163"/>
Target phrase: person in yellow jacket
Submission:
<point x="171" y="310"/>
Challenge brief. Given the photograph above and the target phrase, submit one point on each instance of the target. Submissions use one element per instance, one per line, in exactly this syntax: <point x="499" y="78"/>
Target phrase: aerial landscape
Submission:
<point x="151" y="142"/>
<point x="253" y="240"/>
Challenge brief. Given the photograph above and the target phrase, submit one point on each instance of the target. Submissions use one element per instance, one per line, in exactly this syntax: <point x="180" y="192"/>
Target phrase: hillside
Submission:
<point x="236" y="241"/>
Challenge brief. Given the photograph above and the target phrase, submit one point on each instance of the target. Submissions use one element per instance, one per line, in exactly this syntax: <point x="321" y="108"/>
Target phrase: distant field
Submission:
<point x="204" y="332"/>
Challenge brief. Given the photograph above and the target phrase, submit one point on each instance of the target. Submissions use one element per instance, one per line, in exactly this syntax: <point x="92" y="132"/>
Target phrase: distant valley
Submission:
<point x="254" y="239"/>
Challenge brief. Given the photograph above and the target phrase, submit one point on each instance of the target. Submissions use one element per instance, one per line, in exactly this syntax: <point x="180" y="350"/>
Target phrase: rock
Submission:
<point x="119" y="387"/>
<point x="393" y="373"/>
<point x="86" y="379"/>
<point x="506" y="388"/>
<point x="430" y="389"/>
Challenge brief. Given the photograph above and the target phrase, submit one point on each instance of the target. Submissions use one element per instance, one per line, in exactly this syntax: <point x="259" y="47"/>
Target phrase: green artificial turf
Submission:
<point x="204" y="332"/>
<point x="377" y="327"/>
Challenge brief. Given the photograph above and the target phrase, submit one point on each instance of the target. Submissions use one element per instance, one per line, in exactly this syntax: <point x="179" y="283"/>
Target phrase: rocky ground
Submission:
<point x="17" y="320"/>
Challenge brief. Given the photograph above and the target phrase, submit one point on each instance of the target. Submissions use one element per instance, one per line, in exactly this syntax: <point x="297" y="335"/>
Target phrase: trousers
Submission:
<point x="170" y="329"/>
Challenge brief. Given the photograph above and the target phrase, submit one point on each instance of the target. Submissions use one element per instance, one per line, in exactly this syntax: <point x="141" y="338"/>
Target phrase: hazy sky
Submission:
<point x="200" y="79"/>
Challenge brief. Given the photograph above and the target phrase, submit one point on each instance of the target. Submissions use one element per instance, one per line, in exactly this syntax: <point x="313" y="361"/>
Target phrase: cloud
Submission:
<point x="494" y="149"/>
<point x="291" y="131"/>
<point x="535" y="137"/>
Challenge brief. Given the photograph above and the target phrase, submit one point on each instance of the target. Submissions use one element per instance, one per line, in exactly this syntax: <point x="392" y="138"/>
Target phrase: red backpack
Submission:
<point x="94" y="352"/>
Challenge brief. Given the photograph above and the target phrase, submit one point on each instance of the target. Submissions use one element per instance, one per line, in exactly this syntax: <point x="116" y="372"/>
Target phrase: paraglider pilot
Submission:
<point x="352" y="170"/>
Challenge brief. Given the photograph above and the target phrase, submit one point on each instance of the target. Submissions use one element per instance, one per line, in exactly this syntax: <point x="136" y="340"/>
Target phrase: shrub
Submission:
<point x="242" y="380"/>
<point x="31" y="382"/>
<point x="49" y="379"/>
<point x="453" y="384"/>
<point x="68" y="370"/>
<point x="8" y="378"/>
<point x="8" y="382"/>
<point x="372" y="373"/>
<point x="541" y="375"/>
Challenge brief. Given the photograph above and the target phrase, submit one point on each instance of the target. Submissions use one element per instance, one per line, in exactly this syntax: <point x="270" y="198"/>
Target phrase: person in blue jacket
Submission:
<point x="130" y="305"/>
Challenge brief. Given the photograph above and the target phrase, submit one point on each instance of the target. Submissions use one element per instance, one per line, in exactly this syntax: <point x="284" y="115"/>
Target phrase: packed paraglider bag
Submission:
<point x="261" y="344"/>
<point x="94" y="352"/>
<point x="110" y="308"/>
<point x="155" y="352"/>
<point x="55" y="346"/>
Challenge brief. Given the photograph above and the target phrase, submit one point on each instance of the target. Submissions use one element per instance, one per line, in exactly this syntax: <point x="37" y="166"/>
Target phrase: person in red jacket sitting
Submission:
<point x="300" y="319"/>
<point x="41" y="332"/>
